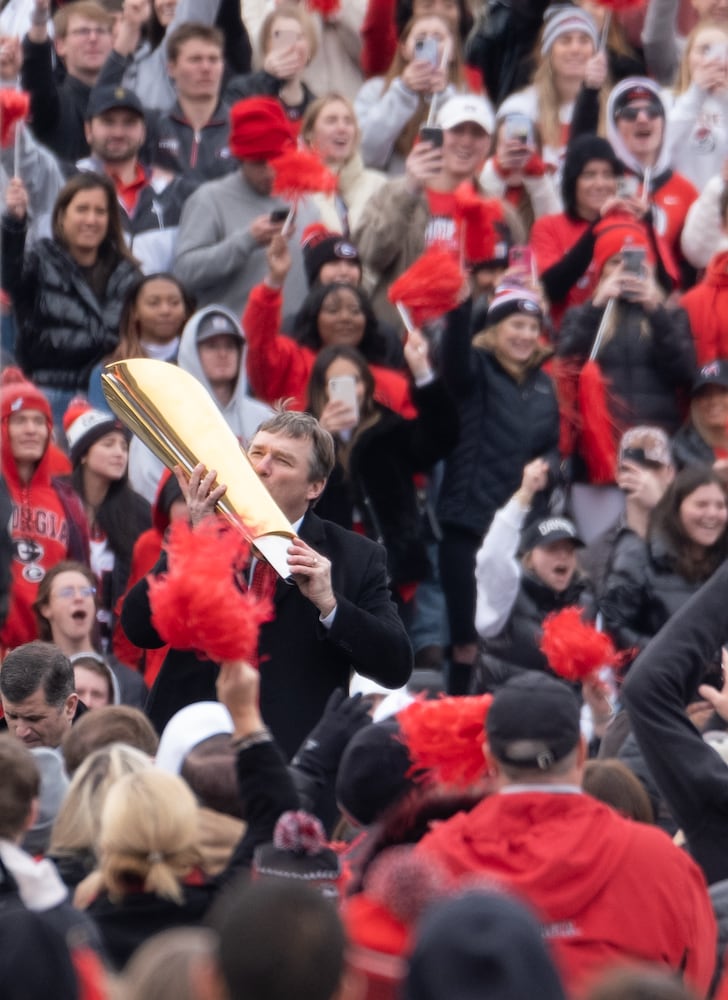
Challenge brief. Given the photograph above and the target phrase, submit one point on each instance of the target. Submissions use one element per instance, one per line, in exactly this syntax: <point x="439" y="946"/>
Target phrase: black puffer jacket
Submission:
<point x="688" y="448"/>
<point x="516" y="647"/>
<point x="642" y="590"/>
<point x="648" y="360"/>
<point x="504" y="424"/>
<point x="384" y="457"/>
<point x="63" y="328"/>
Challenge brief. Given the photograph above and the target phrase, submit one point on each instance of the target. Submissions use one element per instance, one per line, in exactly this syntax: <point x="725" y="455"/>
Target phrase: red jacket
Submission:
<point x="551" y="237"/>
<point x="607" y="890"/>
<point x="707" y="306"/>
<point x="279" y="368"/>
<point x="48" y="524"/>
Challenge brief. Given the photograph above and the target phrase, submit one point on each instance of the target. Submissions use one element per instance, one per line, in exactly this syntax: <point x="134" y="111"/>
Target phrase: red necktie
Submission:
<point x="264" y="580"/>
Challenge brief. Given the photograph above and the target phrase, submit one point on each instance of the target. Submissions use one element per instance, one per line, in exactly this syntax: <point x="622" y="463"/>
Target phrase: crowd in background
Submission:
<point x="555" y="438"/>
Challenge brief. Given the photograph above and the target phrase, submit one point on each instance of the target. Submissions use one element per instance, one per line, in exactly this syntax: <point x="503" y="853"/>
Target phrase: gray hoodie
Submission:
<point x="242" y="414"/>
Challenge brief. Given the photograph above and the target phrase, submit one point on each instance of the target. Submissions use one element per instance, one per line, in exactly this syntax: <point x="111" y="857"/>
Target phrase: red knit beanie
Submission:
<point x="259" y="129"/>
<point x="614" y="233"/>
<point x="20" y="394"/>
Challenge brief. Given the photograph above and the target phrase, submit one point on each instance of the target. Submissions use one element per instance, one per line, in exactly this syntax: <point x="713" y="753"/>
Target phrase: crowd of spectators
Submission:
<point x="183" y="825"/>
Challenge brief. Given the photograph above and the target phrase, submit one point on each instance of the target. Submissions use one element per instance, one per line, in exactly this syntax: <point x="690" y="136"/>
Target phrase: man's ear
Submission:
<point x="492" y="764"/>
<point x="87" y="131"/>
<point x="70" y="706"/>
<point x="315" y="489"/>
<point x="61" y="47"/>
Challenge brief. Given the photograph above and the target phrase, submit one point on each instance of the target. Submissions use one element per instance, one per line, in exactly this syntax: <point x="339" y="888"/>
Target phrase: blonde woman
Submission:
<point x="146" y="849"/>
<point x="697" y="121"/>
<point x="77" y="825"/>
<point x="331" y="129"/>
<point x="427" y="67"/>
<point x="569" y="60"/>
<point x="287" y="46"/>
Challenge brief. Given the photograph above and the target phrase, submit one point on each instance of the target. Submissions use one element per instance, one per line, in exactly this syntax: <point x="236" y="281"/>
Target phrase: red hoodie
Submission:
<point x="707" y="307"/>
<point x="47" y="525"/>
<point x="608" y="891"/>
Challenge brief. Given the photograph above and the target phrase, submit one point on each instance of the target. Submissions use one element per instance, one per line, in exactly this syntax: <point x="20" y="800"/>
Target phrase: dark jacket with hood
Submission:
<point x="564" y="243"/>
<point x="384" y="456"/>
<point x="57" y="107"/>
<point x="642" y="590"/>
<point x="63" y="327"/>
<point x="504" y="424"/>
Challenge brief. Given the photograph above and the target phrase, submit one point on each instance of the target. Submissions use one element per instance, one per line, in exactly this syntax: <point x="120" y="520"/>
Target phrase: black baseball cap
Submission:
<point x="533" y="721"/>
<point x="714" y="373"/>
<point x="109" y="98"/>
<point x="548" y="530"/>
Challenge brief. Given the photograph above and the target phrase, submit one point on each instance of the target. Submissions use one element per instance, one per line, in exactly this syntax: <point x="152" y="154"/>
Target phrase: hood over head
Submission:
<point x="618" y="96"/>
<point x="242" y="414"/>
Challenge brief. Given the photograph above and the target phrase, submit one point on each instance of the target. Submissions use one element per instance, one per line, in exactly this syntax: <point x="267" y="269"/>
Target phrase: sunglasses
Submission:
<point x="631" y="114"/>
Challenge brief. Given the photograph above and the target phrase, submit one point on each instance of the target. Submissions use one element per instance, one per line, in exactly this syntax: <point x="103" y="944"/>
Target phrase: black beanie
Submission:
<point x="325" y="250"/>
<point x="373" y="772"/>
<point x="579" y="152"/>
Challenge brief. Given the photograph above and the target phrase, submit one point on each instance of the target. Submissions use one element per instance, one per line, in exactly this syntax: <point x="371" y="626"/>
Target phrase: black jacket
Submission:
<point x="648" y="360"/>
<point x="383" y="459"/>
<point x="265" y="84"/>
<point x="63" y="328"/>
<point x="57" y="110"/>
<point x="516" y="647"/>
<point x="642" y="590"/>
<point x="174" y="145"/>
<point x="688" y="448"/>
<point x="302" y="661"/>
<point x="665" y="678"/>
<point x="501" y="44"/>
<point x="503" y="426"/>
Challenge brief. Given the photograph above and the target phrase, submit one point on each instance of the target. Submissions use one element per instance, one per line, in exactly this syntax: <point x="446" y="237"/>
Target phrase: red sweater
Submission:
<point x="707" y="306"/>
<point x="42" y="535"/>
<point x="551" y="237"/>
<point x="279" y="368"/>
<point x="607" y="890"/>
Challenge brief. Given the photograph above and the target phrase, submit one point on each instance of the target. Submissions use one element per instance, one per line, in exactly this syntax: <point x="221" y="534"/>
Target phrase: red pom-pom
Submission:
<point x="444" y="737"/>
<point x="197" y="603"/>
<point x="299" y="832"/>
<point x="430" y="287"/>
<point x="326" y="8"/>
<point x="476" y="218"/>
<point x="299" y="172"/>
<point x="598" y="446"/>
<point x="14" y="107"/>
<point x="573" y="647"/>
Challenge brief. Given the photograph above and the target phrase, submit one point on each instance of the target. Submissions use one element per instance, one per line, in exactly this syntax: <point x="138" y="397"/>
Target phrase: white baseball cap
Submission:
<point x="467" y="108"/>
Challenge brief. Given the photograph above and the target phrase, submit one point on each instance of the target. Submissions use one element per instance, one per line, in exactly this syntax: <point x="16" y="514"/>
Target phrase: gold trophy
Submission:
<point x="174" y="415"/>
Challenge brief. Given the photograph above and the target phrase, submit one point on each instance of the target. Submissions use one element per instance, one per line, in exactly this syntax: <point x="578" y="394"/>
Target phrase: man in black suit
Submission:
<point x="337" y="617"/>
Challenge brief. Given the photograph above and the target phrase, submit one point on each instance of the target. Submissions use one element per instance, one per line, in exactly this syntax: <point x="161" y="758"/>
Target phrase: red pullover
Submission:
<point x="707" y="306"/>
<point x="607" y="890"/>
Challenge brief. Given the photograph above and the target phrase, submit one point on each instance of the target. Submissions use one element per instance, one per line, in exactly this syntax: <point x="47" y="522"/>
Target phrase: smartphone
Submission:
<point x="432" y="134"/>
<point x="343" y="387"/>
<point x="279" y="214"/>
<point x="284" y="39"/>
<point x="627" y="187"/>
<point x="717" y="53"/>
<point x="633" y="259"/>
<point x="519" y="128"/>
<point x="428" y="50"/>
<point x="521" y="259"/>
<point x="638" y="457"/>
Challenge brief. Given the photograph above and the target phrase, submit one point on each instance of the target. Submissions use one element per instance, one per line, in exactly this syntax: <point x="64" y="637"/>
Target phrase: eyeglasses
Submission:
<point x="87" y="32"/>
<point x="66" y="592"/>
<point x="631" y="114"/>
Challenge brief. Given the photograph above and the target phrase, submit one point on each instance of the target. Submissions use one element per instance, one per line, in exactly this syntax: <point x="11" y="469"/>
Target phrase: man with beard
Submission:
<point x="150" y="200"/>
